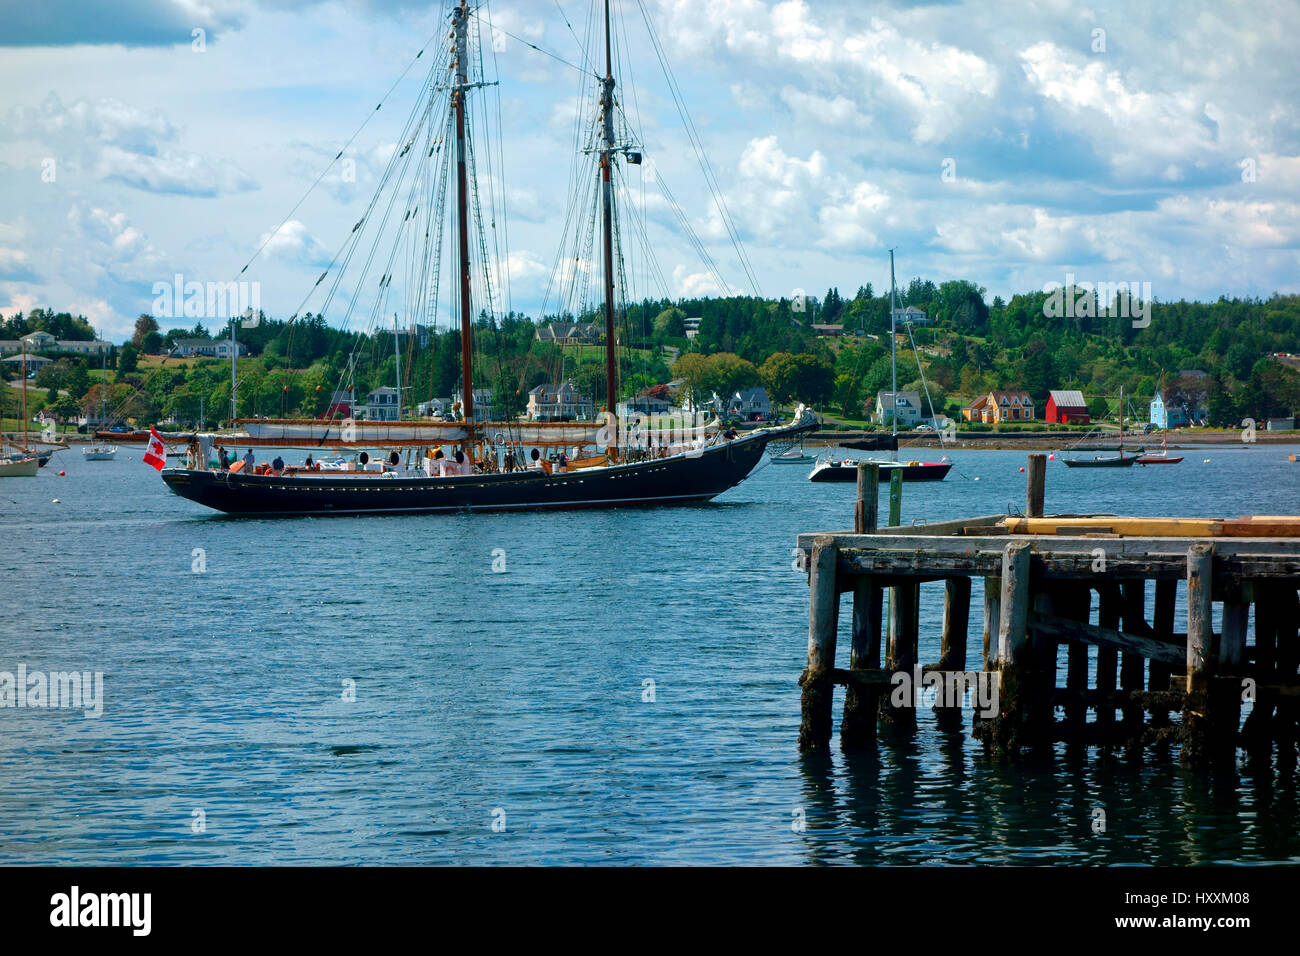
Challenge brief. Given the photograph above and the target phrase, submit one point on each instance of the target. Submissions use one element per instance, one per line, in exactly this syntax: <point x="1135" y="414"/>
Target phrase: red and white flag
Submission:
<point x="155" y="453"/>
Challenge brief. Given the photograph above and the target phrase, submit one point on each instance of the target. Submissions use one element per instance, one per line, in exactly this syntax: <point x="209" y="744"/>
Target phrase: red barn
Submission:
<point x="1067" y="408"/>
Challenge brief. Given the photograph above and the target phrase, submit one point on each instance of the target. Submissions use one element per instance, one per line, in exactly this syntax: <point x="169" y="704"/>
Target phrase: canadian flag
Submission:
<point x="155" y="452"/>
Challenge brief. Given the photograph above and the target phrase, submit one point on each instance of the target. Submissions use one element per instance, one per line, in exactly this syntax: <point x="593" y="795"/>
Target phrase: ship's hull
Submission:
<point x="18" y="467"/>
<point x="681" y="479"/>
<point x="920" y="471"/>
<point x="1123" y="461"/>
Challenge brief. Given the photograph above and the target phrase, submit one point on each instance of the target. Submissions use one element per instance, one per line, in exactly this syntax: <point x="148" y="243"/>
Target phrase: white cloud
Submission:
<point x="293" y="243"/>
<point x="118" y="142"/>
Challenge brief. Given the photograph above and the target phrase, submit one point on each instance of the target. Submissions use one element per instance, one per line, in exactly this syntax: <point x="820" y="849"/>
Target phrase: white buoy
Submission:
<point x="55" y="501"/>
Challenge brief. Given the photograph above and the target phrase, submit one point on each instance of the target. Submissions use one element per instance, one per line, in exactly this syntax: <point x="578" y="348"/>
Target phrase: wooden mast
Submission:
<point x="607" y="202"/>
<point x="460" y="29"/>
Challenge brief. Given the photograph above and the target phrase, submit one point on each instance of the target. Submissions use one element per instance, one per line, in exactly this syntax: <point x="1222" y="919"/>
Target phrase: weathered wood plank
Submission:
<point x="1063" y="629"/>
<point x="823" y="613"/>
<point x="1013" y="636"/>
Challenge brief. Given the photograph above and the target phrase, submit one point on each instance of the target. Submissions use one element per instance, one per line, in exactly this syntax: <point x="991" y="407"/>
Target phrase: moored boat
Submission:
<point x="692" y="476"/>
<point x="18" y="467"/>
<point x="847" y="469"/>
<point x="98" y="452"/>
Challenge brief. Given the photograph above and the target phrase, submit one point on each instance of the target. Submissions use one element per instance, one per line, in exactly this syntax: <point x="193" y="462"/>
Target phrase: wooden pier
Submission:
<point x="1059" y="656"/>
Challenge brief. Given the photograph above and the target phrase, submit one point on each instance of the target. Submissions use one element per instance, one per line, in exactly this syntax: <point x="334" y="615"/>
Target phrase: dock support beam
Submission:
<point x="823" y="621"/>
<point x="952" y="643"/>
<point x="858" y="728"/>
<point x="1212" y="708"/>
<point x="1014" y="652"/>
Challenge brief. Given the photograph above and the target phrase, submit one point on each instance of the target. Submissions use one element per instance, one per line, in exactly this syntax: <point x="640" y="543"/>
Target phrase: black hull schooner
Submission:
<point x="689" y="478"/>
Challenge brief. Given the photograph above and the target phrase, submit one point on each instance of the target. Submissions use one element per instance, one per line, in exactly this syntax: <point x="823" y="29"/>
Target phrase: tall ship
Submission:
<point x="467" y="462"/>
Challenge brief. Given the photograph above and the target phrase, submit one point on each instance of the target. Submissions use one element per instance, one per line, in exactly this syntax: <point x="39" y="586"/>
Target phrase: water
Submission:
<point x="516" y="698"/>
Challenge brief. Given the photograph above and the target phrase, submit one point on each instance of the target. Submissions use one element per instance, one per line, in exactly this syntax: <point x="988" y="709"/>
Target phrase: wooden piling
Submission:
<point x="904" y="618"/>
<point x="823" y="614"/>
<point x="952" y="642"/>
<point x="992" y="619"/>
<point x="1202" y="740"/>
<point x="867" y="508"/>
<point x="1013" y="646"/>
<point x="858" y="727"/>
<point x="1133" y="621"/>
<point x="1159" y="672"/>
<point x="1108" y="616"/>
<point x="1036" y="476"/>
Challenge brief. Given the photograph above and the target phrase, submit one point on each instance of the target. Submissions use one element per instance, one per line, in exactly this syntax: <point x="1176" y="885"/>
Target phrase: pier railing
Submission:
<point x="1054" y="662"/>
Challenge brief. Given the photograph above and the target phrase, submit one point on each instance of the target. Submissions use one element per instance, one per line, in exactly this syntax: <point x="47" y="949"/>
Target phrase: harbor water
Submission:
<point x="610" y="687"/>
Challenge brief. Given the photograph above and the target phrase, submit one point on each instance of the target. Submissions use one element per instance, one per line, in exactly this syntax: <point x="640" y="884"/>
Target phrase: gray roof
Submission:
<point x="1068" y="398"/>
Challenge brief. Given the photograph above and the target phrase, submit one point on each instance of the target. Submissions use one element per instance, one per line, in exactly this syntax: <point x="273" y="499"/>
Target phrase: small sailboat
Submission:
<point x="791" y="456"/>
<point x="846" y="469"/>
<point x="18" y="467"/>
<point x="99" y="452"/>
<point x="1120" y="459"/>
<point x="12" y="453"/>
<point x="1161" y="457"/>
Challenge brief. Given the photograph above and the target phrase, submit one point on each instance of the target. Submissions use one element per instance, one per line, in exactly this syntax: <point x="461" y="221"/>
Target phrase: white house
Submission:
<point x="206" y="348"/>
<point x="483" y="407"/>
<point x="911" y="314"/>
<point x="906" y="407"/>
<point x="560" y="402"/>
<point x="434" y="408"/>
<point x="751" y="404"/>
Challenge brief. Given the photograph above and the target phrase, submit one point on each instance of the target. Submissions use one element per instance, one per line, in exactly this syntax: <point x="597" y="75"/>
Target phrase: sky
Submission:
<point x="1014" y="144"/>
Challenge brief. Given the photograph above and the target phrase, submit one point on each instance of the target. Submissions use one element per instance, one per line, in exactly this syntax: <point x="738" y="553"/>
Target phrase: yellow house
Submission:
<point x="994" y="407"/>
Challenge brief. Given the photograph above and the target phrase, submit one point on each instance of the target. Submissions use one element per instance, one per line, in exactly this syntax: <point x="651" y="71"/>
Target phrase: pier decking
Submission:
<point x="1055" y="663"/>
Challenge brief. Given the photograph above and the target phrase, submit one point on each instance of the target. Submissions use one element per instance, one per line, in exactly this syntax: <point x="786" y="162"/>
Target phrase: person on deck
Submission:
<point x="463" y="467"/>
<point x="249" y="461"/>
<point x="223" y="458"/>
<point x="309" y="464"/>
<point x="278" y="465"/>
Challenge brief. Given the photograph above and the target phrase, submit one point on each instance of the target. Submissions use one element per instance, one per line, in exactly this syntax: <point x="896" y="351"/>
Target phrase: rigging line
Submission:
<point x="501" y="239"/>
<point x="702" y="157"/>
<point x="364" y="223"/>
<point x="581" y="49"/>
<point x="929" y="401"/>
<point x="534" y="46"/>
<point x="331" y="163"/>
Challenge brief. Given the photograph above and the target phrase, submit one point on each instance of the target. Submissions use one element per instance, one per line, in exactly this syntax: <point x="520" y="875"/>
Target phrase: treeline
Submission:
<point x="968" y="346"/>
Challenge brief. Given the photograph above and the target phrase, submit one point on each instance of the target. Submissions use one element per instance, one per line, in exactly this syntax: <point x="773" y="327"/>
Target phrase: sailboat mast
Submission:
<point x="460" y="35"/>
<point x="607" y="204"/>
<point x="397" y="364"/>
<point x="24" y="395"/>
<point x="893" y="349"/>
<point x="234" y="379"/>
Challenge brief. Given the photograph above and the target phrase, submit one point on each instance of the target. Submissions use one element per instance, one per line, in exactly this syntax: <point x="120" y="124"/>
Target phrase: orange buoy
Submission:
<point x="1022" y="469"/>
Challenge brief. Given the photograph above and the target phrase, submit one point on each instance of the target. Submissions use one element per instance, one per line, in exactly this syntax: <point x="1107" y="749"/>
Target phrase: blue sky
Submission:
<point x="1007" y="143"/>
